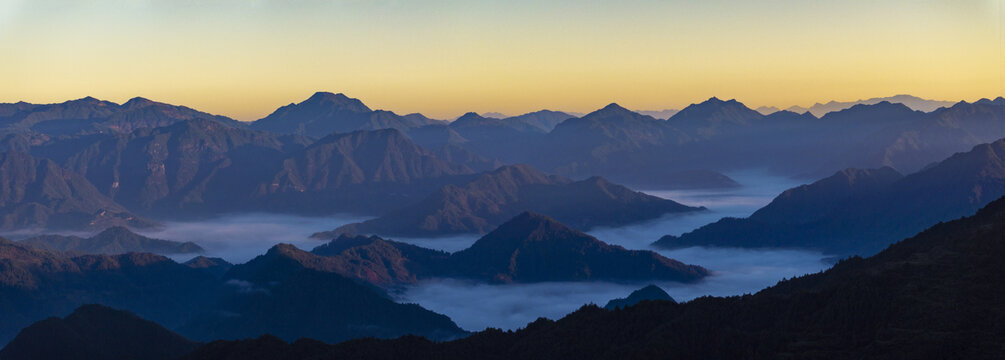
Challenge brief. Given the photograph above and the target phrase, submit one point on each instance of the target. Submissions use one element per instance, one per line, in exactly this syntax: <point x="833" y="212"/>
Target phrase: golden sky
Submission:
<point x="246" y="58"/>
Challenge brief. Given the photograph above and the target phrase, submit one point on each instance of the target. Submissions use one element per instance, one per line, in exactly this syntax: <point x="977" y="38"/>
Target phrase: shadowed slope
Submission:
<point x="96" y="332"/>
<point x="495" y="197"/>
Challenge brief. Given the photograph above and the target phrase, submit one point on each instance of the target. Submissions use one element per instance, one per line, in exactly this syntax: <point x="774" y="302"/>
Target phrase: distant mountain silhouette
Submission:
<point x="659" y="114"/>
<point x="195" y="165"/>
<point x="492" y="198"/>
<point x="90" y="115"/>
<point x="648" y="293"/>
<point x="609" y="130"/>
<point x="545" y="120"/>
<point x="507" y="139"/>
<point x="910" y="101"/>
<point x="910" y="146"/>
<point x="712" y="117"/>
<point x="472" y="120"/>
<point x="936" y="295"/>
<point x="862" y="211"/>
<point x="39" y="193"/>
<point x="324" y="113"/>
<point x="781" y="141"/>
<point x="114" y="240"/>
<point x="493" y="114"/>
<point x="95" y="332"/>
<point x="768" y="110"/>
<point x="625" y="147"/>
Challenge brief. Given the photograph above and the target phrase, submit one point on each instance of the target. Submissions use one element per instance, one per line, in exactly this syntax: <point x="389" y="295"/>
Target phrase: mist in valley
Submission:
<point x="476" y="306"/>
<point x="238" y="238"/>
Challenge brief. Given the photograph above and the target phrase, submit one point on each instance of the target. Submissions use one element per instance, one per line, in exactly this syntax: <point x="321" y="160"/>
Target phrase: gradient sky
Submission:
<point x="245" y="58"/>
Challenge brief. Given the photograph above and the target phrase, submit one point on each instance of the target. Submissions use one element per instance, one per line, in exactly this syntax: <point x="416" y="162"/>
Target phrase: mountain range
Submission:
<point x="173" y="162"/>
<point x="935" y="295"/>
<point x="513" y="139"/>
<point x="819" y="109"/>
<point x="90" y="115"/>
<point x="862" y="211"/>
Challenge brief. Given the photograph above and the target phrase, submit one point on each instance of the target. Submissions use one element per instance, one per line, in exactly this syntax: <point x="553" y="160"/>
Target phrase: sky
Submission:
<point x="442" y="58"/>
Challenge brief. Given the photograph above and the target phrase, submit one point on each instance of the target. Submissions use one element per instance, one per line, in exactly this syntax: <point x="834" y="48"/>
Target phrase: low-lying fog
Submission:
<point x="735" y="271"/>
<point x="240" y="237"/>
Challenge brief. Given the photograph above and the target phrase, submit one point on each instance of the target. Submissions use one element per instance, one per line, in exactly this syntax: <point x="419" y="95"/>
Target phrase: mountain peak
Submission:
<point x="470" y="115"/>
<point x="88" y="100"/>
<point x="613" y="107"/>
<point x="650" y="293"/>
<point x="530" y="226"/>
<point x="327" y="96"/>
<point x="713" y="116"/>
<point x="997" y="101"/>
<point x="339" y="101"/>
<point x="138" y="102"/>
<point x="283" y="250"/>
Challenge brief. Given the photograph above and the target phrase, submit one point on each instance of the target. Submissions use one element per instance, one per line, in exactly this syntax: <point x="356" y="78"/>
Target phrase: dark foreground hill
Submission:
<point x="252" y="299"/>
<point x="96" y="332"/>
<point x="36" y="284"/>
<point x="938" y="295"/>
